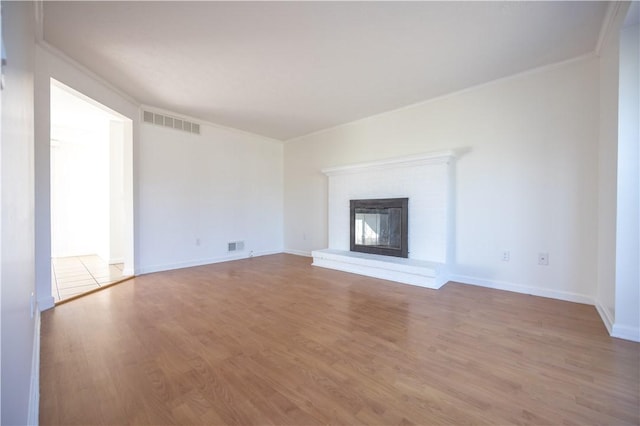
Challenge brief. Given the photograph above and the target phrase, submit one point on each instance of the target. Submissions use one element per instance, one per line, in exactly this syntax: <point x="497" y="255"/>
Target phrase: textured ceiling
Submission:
<point x="286" y="69"/>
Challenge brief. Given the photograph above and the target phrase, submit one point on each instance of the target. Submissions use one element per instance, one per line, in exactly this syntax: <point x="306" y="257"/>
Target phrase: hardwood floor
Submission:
<point x="273" y="340"/>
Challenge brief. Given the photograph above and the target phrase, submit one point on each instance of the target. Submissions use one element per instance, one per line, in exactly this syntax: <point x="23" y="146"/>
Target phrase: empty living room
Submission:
<point x="320" y="212"/>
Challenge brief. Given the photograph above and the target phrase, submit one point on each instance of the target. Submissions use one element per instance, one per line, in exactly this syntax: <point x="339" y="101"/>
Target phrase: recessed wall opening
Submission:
<point x="380" y="226"/>
<point x="90" y="222"/>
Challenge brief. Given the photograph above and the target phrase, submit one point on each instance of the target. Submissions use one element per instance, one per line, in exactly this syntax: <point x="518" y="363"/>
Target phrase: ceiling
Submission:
<point x="286" y="69"/>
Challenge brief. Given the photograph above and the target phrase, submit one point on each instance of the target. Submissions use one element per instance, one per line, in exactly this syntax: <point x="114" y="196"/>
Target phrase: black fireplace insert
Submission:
<point x="380" y="226"/>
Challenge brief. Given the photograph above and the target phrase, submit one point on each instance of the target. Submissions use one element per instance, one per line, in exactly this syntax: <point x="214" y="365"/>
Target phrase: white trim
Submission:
<point x="524" y="289"/>
<point x="605" y="315"/>
<point x="190" y="263"/>
<point x="439" y="157"/>
<point x="625" y="332"/>
<point x="607" y="24"/>
<point x="116" y="260"/>
<point x="39" y="11"/>
<point x="34" y="386"/>
<point x="81" y="68"/>
<point x="297" y="252"/>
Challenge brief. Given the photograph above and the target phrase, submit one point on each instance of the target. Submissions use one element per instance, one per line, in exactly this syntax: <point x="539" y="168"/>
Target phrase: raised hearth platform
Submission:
<point x="407" y="271"/>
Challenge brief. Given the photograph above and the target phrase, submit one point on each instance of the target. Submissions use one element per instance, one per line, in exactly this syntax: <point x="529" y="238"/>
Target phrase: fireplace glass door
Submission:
<point x="379" y="226"/>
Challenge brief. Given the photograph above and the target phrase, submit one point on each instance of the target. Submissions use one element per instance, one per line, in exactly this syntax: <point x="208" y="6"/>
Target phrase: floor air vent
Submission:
<point x="168" y="121"/>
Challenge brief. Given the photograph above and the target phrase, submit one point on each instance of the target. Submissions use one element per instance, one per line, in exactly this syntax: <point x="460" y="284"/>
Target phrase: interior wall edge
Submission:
<point x="605" y="315"/>
<point x="54" y="65"/>
<point x="609" y="24"/>
<point x="625" y="332"/>
<point x="46" y="302"/>
<point x="34" y="388"/>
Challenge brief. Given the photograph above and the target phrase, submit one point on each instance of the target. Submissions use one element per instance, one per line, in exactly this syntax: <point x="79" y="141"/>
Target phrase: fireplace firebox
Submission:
<point x="380" y="226"/>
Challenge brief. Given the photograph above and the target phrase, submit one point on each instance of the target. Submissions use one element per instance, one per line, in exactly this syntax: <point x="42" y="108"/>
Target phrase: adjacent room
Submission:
<point x="87" y="194"/>
<point x="328" y="212"/>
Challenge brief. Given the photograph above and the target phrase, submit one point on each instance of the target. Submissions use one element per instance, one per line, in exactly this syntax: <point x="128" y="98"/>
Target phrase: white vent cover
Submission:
<point x="168" y="121"/>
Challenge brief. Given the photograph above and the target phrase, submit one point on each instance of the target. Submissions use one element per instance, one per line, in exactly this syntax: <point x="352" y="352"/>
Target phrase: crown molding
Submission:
<point x="613" y="10"/>
<point x="54" y="51"/>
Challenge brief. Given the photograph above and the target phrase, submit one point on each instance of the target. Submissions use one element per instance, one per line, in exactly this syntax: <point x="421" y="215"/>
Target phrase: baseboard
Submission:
<point x="617" y="330"/>
<point x="191" y="263"/>
<point x="606" y="316"/>
<point x="265" y="253"/>
<point x="518" y="288"/>
<point x="297" y="252"/>
<point x="116" y="260"/>
<point x="34" y="387"/>
<point x="625" y="332"/>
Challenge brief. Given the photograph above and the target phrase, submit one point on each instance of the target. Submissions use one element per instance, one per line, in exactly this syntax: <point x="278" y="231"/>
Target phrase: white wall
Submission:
<point x="80" y="190"/>
<point x="526" y="177"/>
<point x="117" y="218"/>
<point x="17" y="247"/>
<point x="627" y="301"/>
<point x="213" y="188"/>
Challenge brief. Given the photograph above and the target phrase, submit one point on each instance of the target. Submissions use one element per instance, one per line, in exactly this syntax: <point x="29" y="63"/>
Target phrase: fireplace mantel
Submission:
<point x="440" y="157"/>
<point x="427" y="180"/>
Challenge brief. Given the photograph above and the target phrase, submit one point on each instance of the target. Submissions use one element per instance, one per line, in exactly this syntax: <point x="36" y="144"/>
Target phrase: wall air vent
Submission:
<point x="168" y="121"/>
<point x="235" y="246"/>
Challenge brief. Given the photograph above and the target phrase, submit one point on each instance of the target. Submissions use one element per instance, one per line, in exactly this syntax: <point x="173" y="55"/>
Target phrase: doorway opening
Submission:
<point x="91" y="224"/>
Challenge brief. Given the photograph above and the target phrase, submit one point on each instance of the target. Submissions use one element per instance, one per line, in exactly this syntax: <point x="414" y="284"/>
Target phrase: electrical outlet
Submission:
<point x="543" y="259"/>
<point x="197" y="241"/>
<point x="506" y="256"/>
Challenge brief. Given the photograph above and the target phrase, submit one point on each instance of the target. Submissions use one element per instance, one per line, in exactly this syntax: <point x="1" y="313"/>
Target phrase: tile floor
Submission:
<point x="71" y="276"/>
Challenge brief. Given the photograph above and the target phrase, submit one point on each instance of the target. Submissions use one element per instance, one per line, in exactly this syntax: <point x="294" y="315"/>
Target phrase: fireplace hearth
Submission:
<point x="380" y="226"/>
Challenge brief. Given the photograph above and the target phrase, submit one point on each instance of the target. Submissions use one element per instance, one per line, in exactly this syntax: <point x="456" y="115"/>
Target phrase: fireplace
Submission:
<point x="426" y="179"/>
<point x="380" y="226"/>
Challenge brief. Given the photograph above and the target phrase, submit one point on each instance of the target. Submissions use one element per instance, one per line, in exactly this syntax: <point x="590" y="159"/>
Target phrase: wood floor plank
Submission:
<point x="273" y="340"/>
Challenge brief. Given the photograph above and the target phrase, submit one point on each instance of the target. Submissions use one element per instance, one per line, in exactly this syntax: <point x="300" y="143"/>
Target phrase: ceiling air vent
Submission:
<point x="168" y="121"/>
